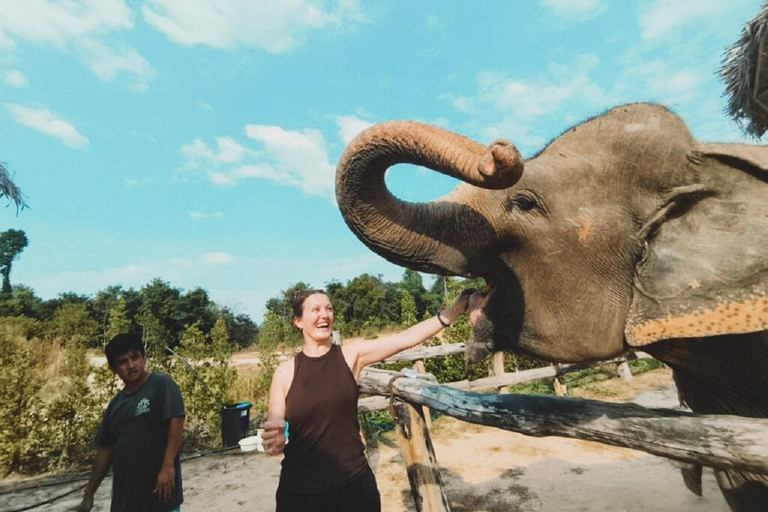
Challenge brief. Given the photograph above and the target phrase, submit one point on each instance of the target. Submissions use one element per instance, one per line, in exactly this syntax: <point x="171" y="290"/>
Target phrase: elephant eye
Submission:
<point x="523" y="202"/>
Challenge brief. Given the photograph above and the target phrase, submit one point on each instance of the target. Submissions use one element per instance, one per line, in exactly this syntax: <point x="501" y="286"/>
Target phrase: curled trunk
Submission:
<point x="431" y="236"/>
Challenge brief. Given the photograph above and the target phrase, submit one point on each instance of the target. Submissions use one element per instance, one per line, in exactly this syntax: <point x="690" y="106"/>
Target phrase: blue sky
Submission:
<point x="196" y="140"/>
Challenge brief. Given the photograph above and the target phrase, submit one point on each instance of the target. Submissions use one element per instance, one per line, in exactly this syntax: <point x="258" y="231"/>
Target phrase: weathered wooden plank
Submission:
<point x="498" y="369"/>
<point x="422" y="352"/>
<point x="420" y="461"/>
<point x="719" y="441"/>
<point x="624" y="372"/>
<point x="377" y="403"/>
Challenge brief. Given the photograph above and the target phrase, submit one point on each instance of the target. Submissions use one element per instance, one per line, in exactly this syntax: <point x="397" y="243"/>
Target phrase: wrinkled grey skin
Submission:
<point x="625" y="231"/>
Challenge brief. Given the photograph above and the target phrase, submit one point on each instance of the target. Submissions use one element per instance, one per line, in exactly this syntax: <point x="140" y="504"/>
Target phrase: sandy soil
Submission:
<point x="483" y="470"/>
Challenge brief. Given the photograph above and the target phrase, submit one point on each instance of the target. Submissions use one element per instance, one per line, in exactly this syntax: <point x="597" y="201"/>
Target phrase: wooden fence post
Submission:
<point x="561" y="388"/>
<point x="418" y="365"/>
<point x="624" y="372"/>
<point x="420" y="461"/>
<point x="498" y="370"/>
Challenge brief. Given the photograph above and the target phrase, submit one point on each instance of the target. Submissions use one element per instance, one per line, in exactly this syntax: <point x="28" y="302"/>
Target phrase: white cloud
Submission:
<point x="350" y="127"/>
<point x="125" y="64"/>
<point x="664" y="80"/>
<point x="295" y="158"/>
<point x="84" y="28"/>
<point x="579" y="10"/>
<point x="664" y="18"/>
<point x="510" y="106"/>
<point x="215" y="258"/>
<point x="201" y="215"/>
<point x="276" y="26"/>
<point x="46" y="122"/>
<point x="15" y="78"/>
<point x="57" y="23"/>
<point x="205" y="105"/>
<point x="228" y="151"/>
<point x="301" y="156"/>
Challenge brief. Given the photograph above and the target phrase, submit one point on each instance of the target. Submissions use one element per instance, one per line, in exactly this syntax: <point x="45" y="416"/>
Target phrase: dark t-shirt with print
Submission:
<point x="135" y="425"/>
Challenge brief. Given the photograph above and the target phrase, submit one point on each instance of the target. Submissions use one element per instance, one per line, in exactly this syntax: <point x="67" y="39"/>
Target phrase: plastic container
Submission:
<point x="252" y="443"/>
<point x="234" y="423"/>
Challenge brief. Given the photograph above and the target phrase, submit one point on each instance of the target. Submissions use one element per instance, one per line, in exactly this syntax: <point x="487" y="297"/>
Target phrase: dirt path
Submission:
<point x="483" y="470"/>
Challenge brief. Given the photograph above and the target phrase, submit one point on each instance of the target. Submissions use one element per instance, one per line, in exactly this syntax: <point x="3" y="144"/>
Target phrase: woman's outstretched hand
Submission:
<point x="459" y="306"/>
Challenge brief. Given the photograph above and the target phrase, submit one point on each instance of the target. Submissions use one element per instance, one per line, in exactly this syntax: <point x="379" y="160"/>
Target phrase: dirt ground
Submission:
<point x="483" y="470"/>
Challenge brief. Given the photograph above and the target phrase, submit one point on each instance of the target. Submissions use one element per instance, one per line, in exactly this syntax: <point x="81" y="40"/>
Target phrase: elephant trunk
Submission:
<point x="430" y="237"/>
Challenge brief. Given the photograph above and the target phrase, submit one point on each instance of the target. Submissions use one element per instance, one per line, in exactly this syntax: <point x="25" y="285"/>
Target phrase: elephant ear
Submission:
<point x="705" y="268"/>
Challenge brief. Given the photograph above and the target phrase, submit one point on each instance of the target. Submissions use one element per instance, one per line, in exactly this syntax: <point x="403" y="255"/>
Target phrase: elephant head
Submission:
<point x="623" y="231"/>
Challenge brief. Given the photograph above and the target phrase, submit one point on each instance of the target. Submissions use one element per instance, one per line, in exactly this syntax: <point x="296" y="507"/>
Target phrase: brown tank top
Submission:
<point x="325" y="450"/>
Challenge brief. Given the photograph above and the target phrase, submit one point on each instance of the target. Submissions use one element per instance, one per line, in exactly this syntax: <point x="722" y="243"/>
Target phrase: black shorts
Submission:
<point x="359" y="495"/>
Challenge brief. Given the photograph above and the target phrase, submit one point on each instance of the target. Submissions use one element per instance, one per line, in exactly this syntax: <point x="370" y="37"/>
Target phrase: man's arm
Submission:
<point x="166" y="479"/>
<point x="101" y="464"/>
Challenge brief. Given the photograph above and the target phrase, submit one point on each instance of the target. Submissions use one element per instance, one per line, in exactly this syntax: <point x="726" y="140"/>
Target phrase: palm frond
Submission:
<point x="745" y="73"/>
<point x="9" y="189"/>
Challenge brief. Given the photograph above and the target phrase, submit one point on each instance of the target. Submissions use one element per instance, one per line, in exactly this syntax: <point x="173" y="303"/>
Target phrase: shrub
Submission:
<point x="206" y="382"/>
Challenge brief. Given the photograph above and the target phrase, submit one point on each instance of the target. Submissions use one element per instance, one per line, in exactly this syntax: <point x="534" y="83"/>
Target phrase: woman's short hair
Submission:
<point x="298" y="300"/>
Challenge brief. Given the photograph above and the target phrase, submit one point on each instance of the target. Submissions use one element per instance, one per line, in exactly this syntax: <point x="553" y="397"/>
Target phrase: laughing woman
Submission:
<point x="325" y="468"/>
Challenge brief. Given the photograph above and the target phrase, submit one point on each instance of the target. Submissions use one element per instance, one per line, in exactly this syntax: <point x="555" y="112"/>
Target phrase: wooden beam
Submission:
<point x="420" y="461"/>
<point x="422" y="352"/>
<point x="720" y="441"/>
<point x="377" y="403"/>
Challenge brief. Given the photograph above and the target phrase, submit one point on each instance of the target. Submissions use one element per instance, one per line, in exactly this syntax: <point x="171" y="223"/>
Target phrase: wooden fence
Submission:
<point x="719" y="441"/>
<point x="500" y="379"/>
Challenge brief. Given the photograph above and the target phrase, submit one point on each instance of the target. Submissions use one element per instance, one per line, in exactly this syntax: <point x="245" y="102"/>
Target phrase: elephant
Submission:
<point x="624" y="232"/>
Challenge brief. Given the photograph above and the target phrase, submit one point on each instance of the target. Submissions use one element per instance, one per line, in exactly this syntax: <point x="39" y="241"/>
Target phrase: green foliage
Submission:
<point x="365" y="295"/>
<point x="22" y="302"/>
<point x="206" y="383"/>
<point x="12" y="242"/>
<point x="73" y="322"/>
<point x="20" y="327"/>
<point x="408" y="312"/>
<point x="253" y="386"/>
<point x="39" y="434"/>
<point x="276" y="332"/>
<point x="644" y="365"/>
<point x="118" y="321"/>
<point x="20" y="381"/>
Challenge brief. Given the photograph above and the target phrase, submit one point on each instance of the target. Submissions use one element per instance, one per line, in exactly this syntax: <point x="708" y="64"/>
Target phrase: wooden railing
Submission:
<point x="500" y="379"/>
<point x="719" y="441"/>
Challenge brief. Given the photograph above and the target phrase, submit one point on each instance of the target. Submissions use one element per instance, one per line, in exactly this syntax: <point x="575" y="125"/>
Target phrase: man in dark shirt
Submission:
<point x="140" y="436"/>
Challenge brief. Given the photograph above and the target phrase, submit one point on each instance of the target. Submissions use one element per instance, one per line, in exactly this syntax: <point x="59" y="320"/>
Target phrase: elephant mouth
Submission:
<point x="481" y="343"/>
<point x="497" y="317"/>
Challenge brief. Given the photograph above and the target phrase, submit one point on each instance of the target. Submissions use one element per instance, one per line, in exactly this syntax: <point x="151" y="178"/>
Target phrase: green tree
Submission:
<point x="159" y="302"/>
<point x="413" y="283"/>
<point x="366" y="295"/>
<point x="274" y="332"/>
<point x="12" y="242"/>
<point x="208" y="383"/>
<point x="242" y="331"/>
<point x="408" y="312"/>
<point x="73" y="323"/>
<point x="282" y="308"/>
<point x="118" y="321"/>
<point x="22" y="302"/>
